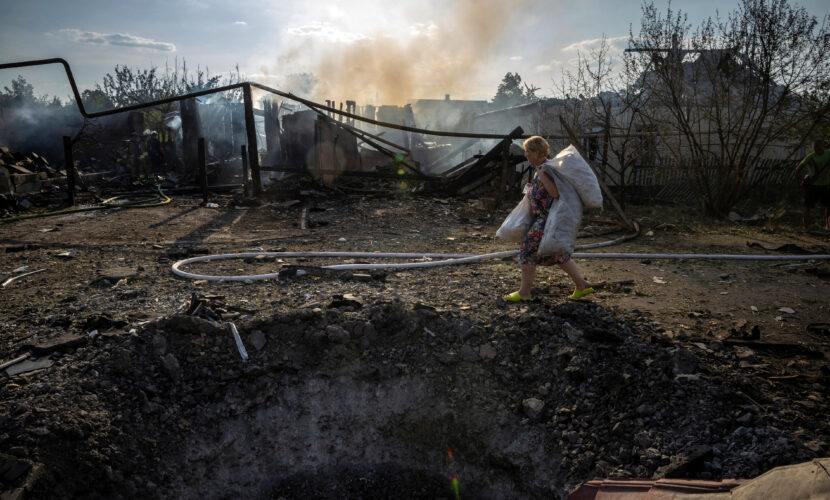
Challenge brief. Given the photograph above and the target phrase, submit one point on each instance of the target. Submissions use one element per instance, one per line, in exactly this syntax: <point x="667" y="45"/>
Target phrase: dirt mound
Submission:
<point x="384" y="399"/>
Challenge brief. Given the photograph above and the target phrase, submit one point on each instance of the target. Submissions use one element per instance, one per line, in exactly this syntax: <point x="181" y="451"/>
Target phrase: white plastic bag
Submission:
<point x="563" y="220"/>
<point x="515" y="225"/>
<point x="570" y="164"/>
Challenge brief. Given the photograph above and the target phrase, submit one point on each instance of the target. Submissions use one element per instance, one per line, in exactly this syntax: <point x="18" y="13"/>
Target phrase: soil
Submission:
<point x="398" y="384"/>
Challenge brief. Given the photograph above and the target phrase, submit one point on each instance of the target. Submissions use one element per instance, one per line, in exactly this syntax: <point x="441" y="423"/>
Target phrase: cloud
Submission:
<point x="240" y="23"/>
<point x="550" y="66"/>
<point x="326" y="32"/>
<point x="516" y="58"/>
<point x="428" y="30"/>
<point x="615" y="43"/>
<point x="122" y="39"/>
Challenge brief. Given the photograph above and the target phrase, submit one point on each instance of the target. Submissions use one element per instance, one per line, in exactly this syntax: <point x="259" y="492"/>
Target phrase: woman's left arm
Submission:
<point x="547" y="181"/>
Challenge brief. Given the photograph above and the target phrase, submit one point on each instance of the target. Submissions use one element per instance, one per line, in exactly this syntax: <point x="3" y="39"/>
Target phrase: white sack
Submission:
<point x="570" y="164"/>
<point x="515" y="225"/>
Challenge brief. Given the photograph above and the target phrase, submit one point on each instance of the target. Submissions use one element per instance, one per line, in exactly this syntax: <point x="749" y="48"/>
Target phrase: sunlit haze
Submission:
<point x="370" y="51"/>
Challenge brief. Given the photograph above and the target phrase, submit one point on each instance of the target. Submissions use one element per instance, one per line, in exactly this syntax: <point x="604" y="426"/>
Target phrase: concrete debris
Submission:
<point x="28" y="365"/>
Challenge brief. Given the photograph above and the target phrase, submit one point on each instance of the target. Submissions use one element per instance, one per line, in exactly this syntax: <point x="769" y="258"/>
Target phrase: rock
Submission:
<point x="571" y="332"/>
<point x="28" y="365"/>
<point x="62" y="343"/>
<point x="689" y="464"/>
<point x="487" y="352"/>
<point x="159" y="344"/>
<point x="643" y="439"/>
<point x="345" y="301"/>
<point x="102" y="322"/>
<point x="447" y="358"/>
<point x="467" y="353"/>
<point x="12" y="469"/>
<point x="257" y="339"/>
<point x="337" y="334"/>
<point x="645" y="410"/>
<point x="685" y="363"/>
<point x="575" y="373"/>
<point x="533" y="407"/>
<point x="171" y="366"/>
<point x="118" y="273"/>
<point x="67" y="254"/>
<point x="745" y="418"/>
<point x="368" y="330"/>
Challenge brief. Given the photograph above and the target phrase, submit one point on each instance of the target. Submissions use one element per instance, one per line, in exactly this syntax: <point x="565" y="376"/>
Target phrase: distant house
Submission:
<point x="446" y="113"/>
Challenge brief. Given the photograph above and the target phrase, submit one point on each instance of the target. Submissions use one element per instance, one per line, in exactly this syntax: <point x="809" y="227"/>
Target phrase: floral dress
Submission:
<point x="540" y="203"/>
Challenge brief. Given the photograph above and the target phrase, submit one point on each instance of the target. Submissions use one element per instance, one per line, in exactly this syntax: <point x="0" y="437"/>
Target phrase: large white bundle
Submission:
<point x="563" y="220"/>
<point x="515" y="225"/>
<point x="570" y="165"/>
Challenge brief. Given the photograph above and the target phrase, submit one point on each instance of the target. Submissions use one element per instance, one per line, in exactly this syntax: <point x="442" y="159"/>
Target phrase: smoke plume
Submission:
<point x="430" y="60"/>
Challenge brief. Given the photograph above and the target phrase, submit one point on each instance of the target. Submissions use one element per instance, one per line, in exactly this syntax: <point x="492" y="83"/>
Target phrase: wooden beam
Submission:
<point x="250" y="129"/>
<point x="244" y="154"/>
<point x="203" y="170"/>
<point x="70" y="170"/>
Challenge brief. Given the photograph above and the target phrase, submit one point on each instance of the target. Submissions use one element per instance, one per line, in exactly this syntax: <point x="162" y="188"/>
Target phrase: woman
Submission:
<point x="542" y="195"/>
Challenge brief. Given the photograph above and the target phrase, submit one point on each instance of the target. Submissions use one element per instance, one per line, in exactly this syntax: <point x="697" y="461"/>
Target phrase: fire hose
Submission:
<point x="425" y="260"/>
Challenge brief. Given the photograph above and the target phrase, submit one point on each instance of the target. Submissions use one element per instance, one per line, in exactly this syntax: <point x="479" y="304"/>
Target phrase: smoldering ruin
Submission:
<point x="234" y="290"/>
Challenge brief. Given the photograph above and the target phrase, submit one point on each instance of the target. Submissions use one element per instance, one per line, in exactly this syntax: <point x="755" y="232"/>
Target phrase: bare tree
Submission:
<point x="733" y="89"/>
<point x="598" y="94"/>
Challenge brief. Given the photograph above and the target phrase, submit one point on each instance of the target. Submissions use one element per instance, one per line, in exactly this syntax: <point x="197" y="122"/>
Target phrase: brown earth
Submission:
<point x="391" y="384"/>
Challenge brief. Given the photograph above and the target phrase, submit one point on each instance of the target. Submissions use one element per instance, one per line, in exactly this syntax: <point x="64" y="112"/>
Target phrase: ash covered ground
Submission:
<point x="393" y="383"/>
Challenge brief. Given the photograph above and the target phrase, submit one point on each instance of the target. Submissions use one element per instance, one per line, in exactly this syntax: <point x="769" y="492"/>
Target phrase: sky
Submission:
<point x="376" y="52"/>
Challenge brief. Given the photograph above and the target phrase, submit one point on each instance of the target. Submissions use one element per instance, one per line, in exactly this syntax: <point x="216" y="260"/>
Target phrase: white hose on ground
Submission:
<point x="448" y="259"/>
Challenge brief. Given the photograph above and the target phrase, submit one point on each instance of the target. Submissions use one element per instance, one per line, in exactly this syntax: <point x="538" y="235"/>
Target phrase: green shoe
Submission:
<point x="517" y="297"/>
<point x="578" y="294"/>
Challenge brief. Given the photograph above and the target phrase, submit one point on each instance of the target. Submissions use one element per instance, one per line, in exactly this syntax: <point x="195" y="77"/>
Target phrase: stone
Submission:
<point x="257" y="339"/>
<point x="467" y="353"/>
<point x="533" y="407"/>
<point x="574" y="334"/>
<point x="28" y="365"/>
<point x="487" y="352"/>
<point x="159" y="344"/>
<point x="642" y="439"/>
<point x="62" y="343"/>
<point x="171" y="366"/>
<point x="645" y="410"/>
<point x="337" y="334"/>
<point x="685" y="363"/>
<point x="368" y="330"/>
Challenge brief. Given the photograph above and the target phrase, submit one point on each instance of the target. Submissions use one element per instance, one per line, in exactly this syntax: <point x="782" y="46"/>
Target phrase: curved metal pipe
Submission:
<point x="287" y="95"/>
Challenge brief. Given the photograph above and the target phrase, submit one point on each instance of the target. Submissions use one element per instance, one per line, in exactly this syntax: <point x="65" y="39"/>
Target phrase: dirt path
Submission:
<point x="378" y="377"/>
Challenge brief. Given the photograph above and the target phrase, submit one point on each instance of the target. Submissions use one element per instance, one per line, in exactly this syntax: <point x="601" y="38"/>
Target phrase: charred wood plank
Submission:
<point x="250" y="129"/>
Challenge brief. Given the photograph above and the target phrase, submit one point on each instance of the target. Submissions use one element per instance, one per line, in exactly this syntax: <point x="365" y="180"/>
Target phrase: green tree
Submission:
<point x="20" y="93"/>
<point x="126" y="86"/>
<point x="96" y="100"/>
<point x="512" y="91"/>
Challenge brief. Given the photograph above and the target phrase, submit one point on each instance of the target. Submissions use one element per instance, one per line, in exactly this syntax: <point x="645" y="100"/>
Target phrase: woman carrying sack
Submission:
<point x="543" y="194"/>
